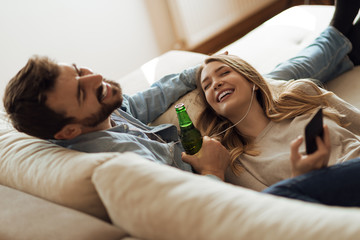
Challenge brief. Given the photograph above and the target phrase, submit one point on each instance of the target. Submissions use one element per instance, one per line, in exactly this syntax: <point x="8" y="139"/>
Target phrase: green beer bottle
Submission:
<point x="190" y="137"/>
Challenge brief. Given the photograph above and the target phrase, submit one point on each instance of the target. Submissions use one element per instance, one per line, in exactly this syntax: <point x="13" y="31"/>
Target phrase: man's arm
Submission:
<point x="149" y="104"/>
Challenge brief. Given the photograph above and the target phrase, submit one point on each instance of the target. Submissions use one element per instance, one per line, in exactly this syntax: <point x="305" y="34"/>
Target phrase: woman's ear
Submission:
<point x="69" y="131"/>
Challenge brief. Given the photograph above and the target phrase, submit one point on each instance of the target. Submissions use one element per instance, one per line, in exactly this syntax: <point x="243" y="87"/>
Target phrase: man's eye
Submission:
<point x="225" y="73"/>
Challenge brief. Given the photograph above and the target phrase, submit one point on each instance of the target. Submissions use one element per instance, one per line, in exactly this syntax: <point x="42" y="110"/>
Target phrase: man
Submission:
<point x="81" y="110"/>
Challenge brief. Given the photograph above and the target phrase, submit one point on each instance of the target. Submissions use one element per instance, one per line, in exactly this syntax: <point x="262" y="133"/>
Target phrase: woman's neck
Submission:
<point x="254" y="122"/>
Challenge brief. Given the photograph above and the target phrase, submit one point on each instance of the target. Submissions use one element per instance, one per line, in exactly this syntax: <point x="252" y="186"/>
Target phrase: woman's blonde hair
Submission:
<point x="294" y="98"/>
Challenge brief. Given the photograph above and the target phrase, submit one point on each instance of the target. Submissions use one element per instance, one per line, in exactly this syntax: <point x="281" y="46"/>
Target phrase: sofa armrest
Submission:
<point x="154" y="201"/>
<point x="24" y="216"/>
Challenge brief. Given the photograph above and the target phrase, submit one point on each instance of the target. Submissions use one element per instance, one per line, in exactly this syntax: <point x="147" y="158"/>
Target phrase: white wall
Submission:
<point x="113" y="37"/>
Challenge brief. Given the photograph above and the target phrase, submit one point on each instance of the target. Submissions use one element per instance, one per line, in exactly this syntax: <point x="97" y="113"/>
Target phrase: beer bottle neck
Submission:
<point x="184" y="119"/>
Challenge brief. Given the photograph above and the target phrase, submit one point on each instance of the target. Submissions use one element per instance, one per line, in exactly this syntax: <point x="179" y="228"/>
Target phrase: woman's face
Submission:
<point x="226" y="91"/>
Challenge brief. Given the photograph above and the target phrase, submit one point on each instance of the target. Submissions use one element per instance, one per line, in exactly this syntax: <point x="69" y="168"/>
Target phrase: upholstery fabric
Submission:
<point x="48" y="220"/>
<point x="154" y="201"/>
<point x="49" y="171"/>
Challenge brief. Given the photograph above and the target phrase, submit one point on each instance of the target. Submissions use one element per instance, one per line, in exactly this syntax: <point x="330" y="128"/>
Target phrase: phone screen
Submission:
<point x="313" y="129"/>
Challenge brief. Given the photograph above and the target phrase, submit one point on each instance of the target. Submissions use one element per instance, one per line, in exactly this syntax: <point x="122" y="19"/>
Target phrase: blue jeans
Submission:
<point x="338" y="185"/>
<point x="324" y="59"/>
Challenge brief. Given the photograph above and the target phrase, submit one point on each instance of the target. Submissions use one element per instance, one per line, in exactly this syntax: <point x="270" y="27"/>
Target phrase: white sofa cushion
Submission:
<point x="49" y="171"/>
<point x="282" y="36"/>
<point x="24" y="216"/>
<point x="153" y="201"/>
<point x="347" y="86"/>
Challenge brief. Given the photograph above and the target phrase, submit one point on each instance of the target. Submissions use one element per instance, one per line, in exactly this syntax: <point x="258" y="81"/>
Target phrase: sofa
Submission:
<point x="48" y="192"/>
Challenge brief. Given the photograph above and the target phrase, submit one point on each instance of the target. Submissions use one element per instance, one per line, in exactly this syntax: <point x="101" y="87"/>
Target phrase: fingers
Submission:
<point x="213" y="158"/>
<point x="324" y="148"/>
<point x="295" y="155"/>
<point x="327" y="137"/>
<point x="327" y="142"/>
<point x="187" y="158"/>
<point x="320" y="158"/>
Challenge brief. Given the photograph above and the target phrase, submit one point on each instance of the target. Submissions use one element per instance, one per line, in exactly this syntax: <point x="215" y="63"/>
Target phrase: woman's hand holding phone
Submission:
<point x="302" y="164"/>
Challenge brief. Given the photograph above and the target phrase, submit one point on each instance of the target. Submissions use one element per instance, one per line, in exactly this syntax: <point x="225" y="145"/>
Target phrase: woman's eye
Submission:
<point x="206" y="87"/>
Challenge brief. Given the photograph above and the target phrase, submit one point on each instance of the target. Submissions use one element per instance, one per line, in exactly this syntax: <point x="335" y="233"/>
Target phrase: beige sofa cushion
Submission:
<point x="282" y="36"/>
<point x="49" y="171"/>
<point x="347" y="86"/>
<point x="194" y="106"/>
<point x="24" y="216"/>
<point x="155" y="201"/>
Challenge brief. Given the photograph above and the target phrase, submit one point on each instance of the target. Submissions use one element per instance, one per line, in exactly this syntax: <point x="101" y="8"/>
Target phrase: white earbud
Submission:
<point x="254" y="87"/>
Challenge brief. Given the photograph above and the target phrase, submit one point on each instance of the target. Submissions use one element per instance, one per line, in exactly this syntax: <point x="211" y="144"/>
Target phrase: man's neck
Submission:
<point x="100" y="127"/>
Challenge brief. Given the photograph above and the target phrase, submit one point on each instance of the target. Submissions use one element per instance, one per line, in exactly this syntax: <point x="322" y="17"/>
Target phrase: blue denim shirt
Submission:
<point x="132" y="134"/>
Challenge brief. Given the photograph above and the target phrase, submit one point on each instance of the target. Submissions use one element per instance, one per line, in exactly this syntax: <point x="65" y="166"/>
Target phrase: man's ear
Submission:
<point x="69" y="131"/>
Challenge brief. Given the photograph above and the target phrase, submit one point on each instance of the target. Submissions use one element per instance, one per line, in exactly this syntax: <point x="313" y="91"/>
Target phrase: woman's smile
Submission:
<point x="223" y="95"/>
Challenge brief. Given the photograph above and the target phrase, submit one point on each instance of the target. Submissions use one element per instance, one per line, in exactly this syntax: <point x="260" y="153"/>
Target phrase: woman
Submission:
<point x="256" y="125"/>
<point x="248" y="118"/>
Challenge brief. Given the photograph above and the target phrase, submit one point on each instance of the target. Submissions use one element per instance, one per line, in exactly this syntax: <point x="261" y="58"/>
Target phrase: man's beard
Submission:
<point x="106" y="109"/>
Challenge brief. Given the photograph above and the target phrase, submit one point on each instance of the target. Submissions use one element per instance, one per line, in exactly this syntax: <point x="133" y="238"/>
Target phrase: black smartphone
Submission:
<point x="313" y="129"/>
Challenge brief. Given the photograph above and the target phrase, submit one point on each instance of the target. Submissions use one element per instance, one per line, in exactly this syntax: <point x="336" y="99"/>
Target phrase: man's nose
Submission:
<point x="92" y="80"/>
<point x="86" y="71"/>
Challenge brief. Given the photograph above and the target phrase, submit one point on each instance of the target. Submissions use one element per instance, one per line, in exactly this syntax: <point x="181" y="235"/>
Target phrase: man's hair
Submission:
<point x="25" y="97"/>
